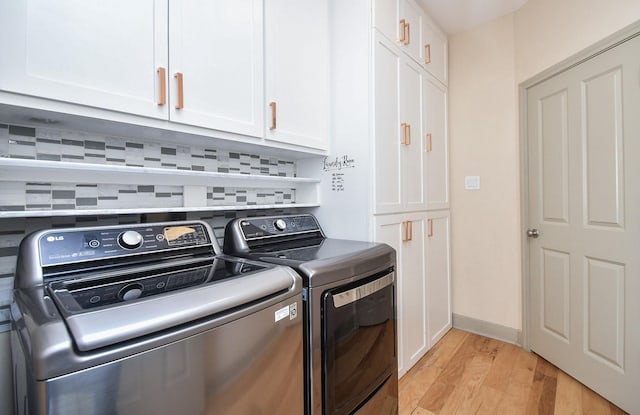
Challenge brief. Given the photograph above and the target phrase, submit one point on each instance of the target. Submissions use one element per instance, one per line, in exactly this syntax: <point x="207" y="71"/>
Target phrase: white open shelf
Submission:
<point x="194" y="183"/>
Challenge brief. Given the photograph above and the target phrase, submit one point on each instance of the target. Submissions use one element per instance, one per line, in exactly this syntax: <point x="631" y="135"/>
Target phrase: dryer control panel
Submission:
<point x="265" y="227"/>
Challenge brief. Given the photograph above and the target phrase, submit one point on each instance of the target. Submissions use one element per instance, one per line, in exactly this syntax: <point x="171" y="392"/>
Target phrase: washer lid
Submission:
<point x="136" y="317"/>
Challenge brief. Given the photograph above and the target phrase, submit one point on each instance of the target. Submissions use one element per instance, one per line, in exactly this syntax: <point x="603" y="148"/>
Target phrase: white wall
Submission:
<point x="345" y="213"/>
<point x="482" y="117"/>
<point x="549" y="31"/>
<point x="486" y="65"/>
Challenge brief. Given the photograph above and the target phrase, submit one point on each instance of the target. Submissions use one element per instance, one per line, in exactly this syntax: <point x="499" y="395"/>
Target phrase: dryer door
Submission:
<point x="358" y="341"/>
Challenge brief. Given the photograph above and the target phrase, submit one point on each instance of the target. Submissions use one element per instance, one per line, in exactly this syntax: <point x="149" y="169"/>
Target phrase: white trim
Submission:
<point x="488" y="329"/>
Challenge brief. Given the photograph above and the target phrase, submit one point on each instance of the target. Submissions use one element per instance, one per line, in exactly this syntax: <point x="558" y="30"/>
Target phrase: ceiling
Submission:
<point x="455" y="16"/>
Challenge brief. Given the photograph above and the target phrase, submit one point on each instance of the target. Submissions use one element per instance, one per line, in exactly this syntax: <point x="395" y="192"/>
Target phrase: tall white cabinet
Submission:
<point x="411" y="175"/>
<point x="393" y="126"/>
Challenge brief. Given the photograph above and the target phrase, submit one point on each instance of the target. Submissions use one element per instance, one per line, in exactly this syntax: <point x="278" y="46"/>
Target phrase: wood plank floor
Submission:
<point x="469" y="374"/>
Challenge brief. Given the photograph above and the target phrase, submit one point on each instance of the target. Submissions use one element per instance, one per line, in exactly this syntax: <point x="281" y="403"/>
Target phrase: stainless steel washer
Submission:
<point x="151" y="319"/>
<point x="349" y="310"/>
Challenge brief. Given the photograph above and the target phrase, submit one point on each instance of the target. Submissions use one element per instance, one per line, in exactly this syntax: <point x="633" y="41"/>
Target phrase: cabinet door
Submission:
<point x="386" y="125"/>
<point x="217" y="48"/>
<point x="406" y="234"/>
<point x="401" y="22"/>
<point x="435" y="133"/>
<point x="435" y="47"/>
<point x="414" y="174"/>
<point x="438" y="272"/>
<point x="385" y="18"/>
<point x="410" y="26"/>
<point x="297" y="72"/>
<point x="99" y="54"/>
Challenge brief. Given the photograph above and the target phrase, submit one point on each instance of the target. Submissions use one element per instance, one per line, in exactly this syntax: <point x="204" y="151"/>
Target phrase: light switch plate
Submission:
<point x="472" y="182"/>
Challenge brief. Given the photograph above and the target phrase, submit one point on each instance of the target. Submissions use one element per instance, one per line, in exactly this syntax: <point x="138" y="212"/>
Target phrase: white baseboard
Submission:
<point x="487" y="329"/>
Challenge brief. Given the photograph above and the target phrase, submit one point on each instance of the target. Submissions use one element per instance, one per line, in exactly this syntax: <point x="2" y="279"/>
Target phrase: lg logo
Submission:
<point x="55" y="238"/>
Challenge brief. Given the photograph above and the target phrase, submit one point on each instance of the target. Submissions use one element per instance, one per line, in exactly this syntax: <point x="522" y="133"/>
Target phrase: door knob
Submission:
<point x="533" y="233"/>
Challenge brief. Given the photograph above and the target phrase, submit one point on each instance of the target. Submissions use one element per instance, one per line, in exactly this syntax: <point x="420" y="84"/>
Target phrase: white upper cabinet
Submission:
<point x="401" y="22"/>
<point x="435" y="134"/>
<point x="215" y="72"/>
<point x="99" y="54"/>
<point x="435" y="51"/>
<point x="297" y="72"/>
<point x="400" y="148"/>
<point x="194" y="63"/>
<point x="411" y="29"/>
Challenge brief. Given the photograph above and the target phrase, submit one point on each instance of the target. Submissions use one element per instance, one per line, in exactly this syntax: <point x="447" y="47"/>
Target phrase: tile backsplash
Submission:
<point x="42" y="143"/>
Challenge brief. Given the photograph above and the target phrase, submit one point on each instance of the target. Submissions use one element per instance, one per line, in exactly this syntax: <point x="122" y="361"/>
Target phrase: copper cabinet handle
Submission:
<point x="408" y="231"/>
<point x="427" y="53"/>
<point x="406" y="134"/>
<point x="403" y="30"/>
<point x="179" y="79"/>
<point x="408" y="37"/>
<point x="272" y="104"/>
<point x="162" y="78"/>
<point x="430" y="224"/>
<point x="429" y="143"/>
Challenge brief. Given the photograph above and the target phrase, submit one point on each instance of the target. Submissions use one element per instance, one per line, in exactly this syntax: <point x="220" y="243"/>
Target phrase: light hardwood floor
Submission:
<point x="469" y="374"/>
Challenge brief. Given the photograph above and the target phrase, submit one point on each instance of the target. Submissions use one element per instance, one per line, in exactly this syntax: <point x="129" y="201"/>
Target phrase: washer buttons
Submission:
<point x="94" y="243"/>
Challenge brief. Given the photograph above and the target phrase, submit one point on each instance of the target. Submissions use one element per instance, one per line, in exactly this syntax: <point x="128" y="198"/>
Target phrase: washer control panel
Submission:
<point x="265" y="227"/>
<point x="84" y="244"/>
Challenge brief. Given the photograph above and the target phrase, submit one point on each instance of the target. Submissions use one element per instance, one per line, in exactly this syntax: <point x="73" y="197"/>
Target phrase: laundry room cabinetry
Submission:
<point x="414" y="32"/>
<point x="394" y="128"/>
<point x="435" y="51"/>
<point x="196" y="67"/>
<point x="297" y="72"/>
<point x="401" y="22"/>
<point x="401" y="185"/>
<point x="193" y="62"/>
<point x="421" y="241"/>
<point x="411" y="136"/>
<point x="215" y="66"/>
<point x="435" y="133"/>
<point x="88" y="53"/>
<point x="438" y="275"/>
<point x="407" y="234"/>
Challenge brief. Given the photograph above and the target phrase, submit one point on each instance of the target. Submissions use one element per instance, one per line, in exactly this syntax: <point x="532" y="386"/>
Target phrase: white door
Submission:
<point x="297" y="72"/>
<point x="410" y="27"/>
<point x="413" y="151"/>
<point x="435" y="49"/>
<point x="386" y="126"/>
<point x="99" y="54"/>
<point x="385" y="18"/>
<point x="406" y="234"/>
<point x="435" y="134"/>
<point x="583" y="127"/>
<point x="216" y="49"/>
<point x="438" y="290"/>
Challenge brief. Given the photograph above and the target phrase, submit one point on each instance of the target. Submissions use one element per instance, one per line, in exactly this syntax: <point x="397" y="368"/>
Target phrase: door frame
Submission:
<point x="607" y="43"/>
